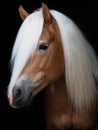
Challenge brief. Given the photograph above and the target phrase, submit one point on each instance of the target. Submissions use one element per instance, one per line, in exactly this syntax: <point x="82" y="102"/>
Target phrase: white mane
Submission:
<point x="81" y="66"/>
<point x="25" y="43"/>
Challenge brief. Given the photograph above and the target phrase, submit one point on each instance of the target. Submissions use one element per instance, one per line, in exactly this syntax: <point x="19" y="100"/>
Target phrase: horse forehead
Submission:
<point x="45" y="34"/>
<point x="49" y="32"/>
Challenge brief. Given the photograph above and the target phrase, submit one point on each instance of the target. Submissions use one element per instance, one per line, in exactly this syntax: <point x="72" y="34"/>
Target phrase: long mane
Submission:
<point x="81" y="65"/>
<point x="25" y="43"/>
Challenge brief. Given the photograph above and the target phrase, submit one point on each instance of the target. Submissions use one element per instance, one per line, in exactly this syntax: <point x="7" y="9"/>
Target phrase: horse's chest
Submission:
<point x="66" y="119"/>
<point x="61" y="115"/>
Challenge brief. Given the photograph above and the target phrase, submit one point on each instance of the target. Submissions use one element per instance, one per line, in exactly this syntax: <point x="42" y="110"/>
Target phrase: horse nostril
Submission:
<point x="17" y="96"/>
<point x="18" y="93"/>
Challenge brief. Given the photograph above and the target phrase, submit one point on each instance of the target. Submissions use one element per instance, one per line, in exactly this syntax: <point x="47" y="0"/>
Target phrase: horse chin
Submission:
<point x="39" y="89"/>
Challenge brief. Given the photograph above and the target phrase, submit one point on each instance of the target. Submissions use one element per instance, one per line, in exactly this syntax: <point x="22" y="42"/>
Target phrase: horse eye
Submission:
<point x="43" y="46"/>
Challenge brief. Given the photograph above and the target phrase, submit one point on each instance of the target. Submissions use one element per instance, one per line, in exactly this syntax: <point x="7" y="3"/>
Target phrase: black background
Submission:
<point x="85" y="15"/>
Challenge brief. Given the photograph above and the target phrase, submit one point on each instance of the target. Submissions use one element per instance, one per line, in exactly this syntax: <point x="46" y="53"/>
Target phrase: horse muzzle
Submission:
<point x="21" y="95"/>
<point x="22" y="92"/>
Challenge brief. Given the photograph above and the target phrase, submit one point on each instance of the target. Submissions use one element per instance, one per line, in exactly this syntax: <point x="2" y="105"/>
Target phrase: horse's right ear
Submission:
<point x="22" y="12"/>
<point x="46" y="13"/>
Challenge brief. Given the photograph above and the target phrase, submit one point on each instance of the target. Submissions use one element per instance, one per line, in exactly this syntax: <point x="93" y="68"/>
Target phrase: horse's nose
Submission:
<point x="21" y="94"/>
<point x="17" y="96"/>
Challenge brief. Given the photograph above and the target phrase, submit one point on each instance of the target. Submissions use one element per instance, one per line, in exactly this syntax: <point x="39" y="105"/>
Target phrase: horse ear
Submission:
<point x="22" y="12"/>
<point x="46" y="13"/>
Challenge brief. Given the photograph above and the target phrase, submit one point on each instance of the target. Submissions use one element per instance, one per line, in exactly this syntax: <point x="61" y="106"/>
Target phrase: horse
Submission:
<point x="51" y="53"/>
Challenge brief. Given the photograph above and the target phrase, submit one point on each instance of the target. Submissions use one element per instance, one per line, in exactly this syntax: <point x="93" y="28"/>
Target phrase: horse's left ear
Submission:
<point x="46" y="13"/>
<point x="23" y="13"/>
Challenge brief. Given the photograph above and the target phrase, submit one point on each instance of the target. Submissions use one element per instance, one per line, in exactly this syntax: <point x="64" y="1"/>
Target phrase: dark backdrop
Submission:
<point x="84" y="13"/>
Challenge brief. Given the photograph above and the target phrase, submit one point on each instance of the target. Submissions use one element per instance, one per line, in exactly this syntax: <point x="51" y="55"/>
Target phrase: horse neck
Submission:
<point x="57" y="86"/>
<point x="56" y="95"/>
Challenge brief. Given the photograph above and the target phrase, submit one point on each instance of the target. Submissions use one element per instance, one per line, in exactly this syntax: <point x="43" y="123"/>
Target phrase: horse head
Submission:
<point x="37" y="57"/>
